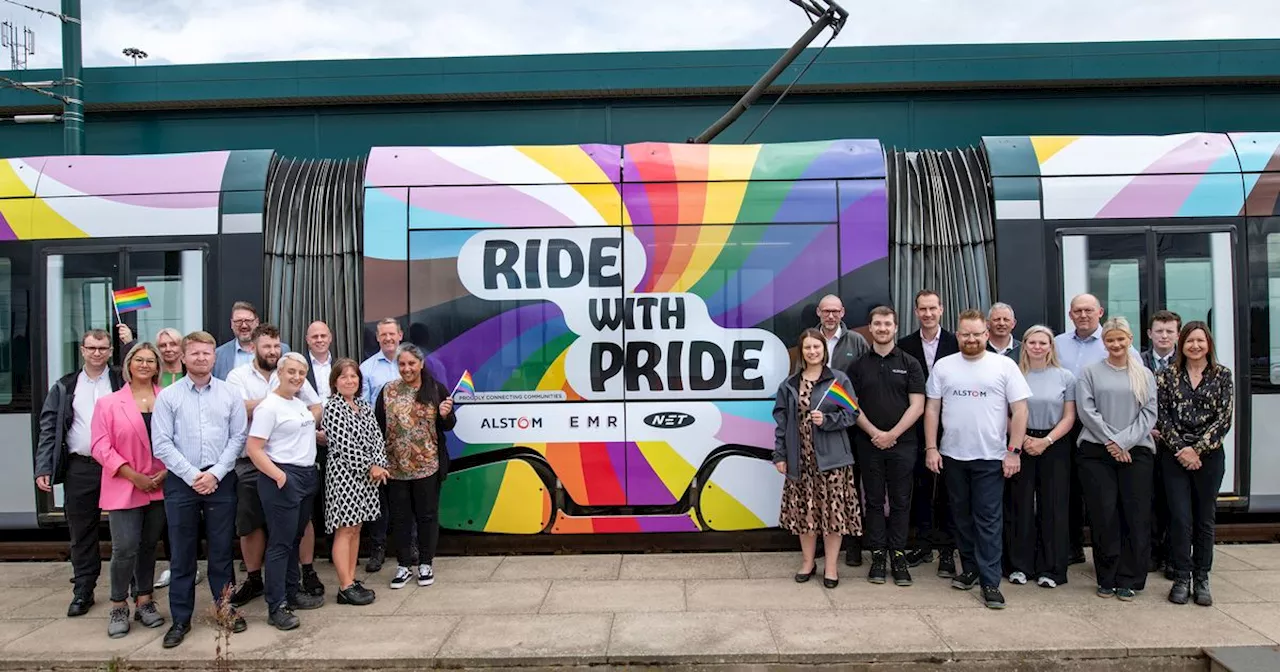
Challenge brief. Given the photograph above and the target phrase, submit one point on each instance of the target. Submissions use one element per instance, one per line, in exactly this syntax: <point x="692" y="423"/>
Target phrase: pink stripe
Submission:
<point x="1158" y="192"/>
<point x="745" y="432"/>
<point x="161" y="173"/>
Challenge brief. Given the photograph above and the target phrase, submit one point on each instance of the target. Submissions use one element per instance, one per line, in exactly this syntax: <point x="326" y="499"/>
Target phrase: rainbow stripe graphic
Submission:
<point x="134" y="298"/>
<point x="465" y="385"/>
<point x="841" y="396"/>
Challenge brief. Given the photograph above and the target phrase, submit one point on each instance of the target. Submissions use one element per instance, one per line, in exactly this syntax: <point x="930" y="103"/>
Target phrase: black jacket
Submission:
<point x="914" y="346"/>
<point x="431" y="392"/>
<point x="55" y="421"/>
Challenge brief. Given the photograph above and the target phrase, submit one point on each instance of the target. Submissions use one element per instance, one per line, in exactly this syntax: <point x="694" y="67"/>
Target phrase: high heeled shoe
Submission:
<point x="830" y="583"/>
<point x="803" y="578"/>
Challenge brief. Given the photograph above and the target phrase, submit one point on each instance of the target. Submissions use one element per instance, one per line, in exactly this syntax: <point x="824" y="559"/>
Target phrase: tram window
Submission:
<point x="1120" y="281"/>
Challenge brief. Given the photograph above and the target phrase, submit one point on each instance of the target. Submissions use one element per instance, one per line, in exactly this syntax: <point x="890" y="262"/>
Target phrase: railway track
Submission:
<point x="51" y="545"/>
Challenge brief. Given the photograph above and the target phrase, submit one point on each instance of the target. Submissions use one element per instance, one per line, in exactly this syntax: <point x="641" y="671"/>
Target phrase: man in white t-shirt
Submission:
<point x="981" y="398"/>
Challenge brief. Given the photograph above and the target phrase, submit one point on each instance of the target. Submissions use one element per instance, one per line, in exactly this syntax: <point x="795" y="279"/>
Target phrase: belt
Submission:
<point x="86" y="458"/>
<point x="1038" y="433"/>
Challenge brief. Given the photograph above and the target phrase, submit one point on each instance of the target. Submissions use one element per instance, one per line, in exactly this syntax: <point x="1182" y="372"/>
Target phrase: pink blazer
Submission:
<point x="119" y="438"/>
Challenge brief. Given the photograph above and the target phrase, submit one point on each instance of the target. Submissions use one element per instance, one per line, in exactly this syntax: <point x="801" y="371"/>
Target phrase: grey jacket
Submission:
<point x="830" y="440"/>
<point x="849" y="349"/>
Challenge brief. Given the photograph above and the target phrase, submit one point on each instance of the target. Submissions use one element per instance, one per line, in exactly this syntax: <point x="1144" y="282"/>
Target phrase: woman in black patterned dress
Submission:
<point x="1194" y="402"/>
<point x="812" y="450"/>
<point x="357" y="465"/>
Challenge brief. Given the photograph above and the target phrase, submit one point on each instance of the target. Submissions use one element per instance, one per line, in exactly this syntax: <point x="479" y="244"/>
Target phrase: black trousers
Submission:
<point x="317" y="510"/>
<point x="81" y="491"/>
<point x="378" y="527"/>
<point x="931" y="511"/>
<point x="976" y="488"/>
<point x="1036" y="515"/>
<point x="886" y="472"/>
<point x="1193" y="503"/>
<point x="415" y="506"/>
<point x="1159" y="514"/>
<point x="185" y="510"/>
<point x="1118" y="497"/>
<point x="287" y="510"/>
<point x="1076" y="498"/>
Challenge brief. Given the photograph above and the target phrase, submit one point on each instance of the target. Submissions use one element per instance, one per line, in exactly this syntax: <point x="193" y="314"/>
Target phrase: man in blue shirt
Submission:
<point x="239" y="350"/>
<point x="198" y="427"/>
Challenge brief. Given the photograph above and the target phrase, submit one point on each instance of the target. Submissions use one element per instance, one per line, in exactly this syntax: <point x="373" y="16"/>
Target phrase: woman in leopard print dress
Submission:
<point x="812" y="450"/>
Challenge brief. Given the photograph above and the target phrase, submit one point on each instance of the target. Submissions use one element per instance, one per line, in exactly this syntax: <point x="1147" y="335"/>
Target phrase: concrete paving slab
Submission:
<point x="543" y="639"/>
<point x="1182" y="631"/>
<point x="1224" y="560"/>
<point x="32" y="575"/>
<point x="259" y="641"/>
<point x="1077" y="593"/>
<point x="371" y="640"/>
<point x="521" y="568"/>
<point x="772" y="565"/>
<point x="928" y="591"/>
<point x="500" y="597"/>
<point x="809" y="637"/>
<point x="1261" y="556"/>
<point x="703" y="637"/>
<point x="573" y="596"/>
<point x="459" y="569"/>
<point x="684" y="566"/>
<point x="11" y="630"/>
<point x="76" y="639"/>
<point x="13" y="601"/>
<point x="1013" y="633"/>
<point x="752" y="594"/>
<point x="54" y="605"/>
<point x="1263" y="583"/>
<point x="1263" y="617"/>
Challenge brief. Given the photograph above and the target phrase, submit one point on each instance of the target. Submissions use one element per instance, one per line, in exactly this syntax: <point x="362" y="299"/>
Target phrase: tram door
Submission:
<point x="1136" y="271"/>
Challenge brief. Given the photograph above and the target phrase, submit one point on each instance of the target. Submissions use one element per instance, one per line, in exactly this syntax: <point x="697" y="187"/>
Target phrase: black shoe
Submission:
<point x="901" y="576"/>
<point x="853" y="554"/>
<point x="376" y="557"/>
<point x="303" y="602"/>
<point x="1077" y="557"/>
<point x="879" y="568"/>
<point x="79" y="605"/>
<point x="946" y="564"/>
<point x="311" y="584"/>
<point x="804" y="578"/>
<point x="919" y="556"/>
<point x="176" y="633"/>
<point x="1180" y="593"/>
<point x="283" y="619"/>
<point x="246" y="592"/>
<point x="1170" y="575"/>
<point x="1125" y="594"/>
<point x="356" y="595"/>
<point x="830" y="583"/>
<point x="239" y="625"/>
<point x="965" y="581"/>
<point x="1200" y="587"/>
<point x="992" y="598"/>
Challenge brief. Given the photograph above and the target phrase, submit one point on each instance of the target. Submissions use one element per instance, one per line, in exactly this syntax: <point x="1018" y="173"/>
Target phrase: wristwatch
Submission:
<point x="1016" y="450"/>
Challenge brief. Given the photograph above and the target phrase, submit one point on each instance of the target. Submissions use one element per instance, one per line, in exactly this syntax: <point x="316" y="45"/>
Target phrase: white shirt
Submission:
<point x="252" y="386"/>
<point x="322" y="371"/>
<point x="975" y="395"/>
<point x="831" y="343"/>
<point x="289" y="429"/>
<point x="931" y="348"/>
<point x="88" y="392"/>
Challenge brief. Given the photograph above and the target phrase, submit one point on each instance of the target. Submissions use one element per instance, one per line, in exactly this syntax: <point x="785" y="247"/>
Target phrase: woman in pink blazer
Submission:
<point x="132" y="488"/>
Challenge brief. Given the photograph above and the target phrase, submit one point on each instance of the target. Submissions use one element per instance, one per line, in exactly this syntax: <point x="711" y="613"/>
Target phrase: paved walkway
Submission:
<point x="690" y="608"/>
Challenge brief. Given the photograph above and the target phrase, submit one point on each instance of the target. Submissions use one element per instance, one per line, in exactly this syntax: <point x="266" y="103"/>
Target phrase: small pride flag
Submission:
<point x="838" y="394"/>
<point x="465" y="384"/>
<point x="134" y="298"/>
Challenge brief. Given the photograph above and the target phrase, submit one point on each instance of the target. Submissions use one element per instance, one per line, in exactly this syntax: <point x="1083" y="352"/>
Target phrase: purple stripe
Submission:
<point x="810" y="202"/>
<point x="847" y="158"/>
<point x="608" y="158"/>
<point x="102" y="175"/>
<point x="643" y="484"/>
<point x="864" y="224"/>
<point x="636" y="200"/>
<point x="617" y="452"/>
<point x="480" y="343"/>
<point x="6" y="231"/>
<point x="798" y="280"/>
<point x="675" y="523"/>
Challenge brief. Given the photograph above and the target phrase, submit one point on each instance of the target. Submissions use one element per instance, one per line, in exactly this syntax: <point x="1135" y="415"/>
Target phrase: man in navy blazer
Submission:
<point x="239" y="350"/>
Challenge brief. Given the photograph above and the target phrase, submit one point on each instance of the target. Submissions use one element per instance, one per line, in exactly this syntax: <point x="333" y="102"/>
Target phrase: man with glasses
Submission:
<point x="239" y="350"/>
<point x="1078" y="348"/>
<point x="64" y="455"/>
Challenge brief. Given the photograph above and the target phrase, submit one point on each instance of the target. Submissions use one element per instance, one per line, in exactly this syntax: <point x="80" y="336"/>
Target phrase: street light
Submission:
<point x="134" y="53"/>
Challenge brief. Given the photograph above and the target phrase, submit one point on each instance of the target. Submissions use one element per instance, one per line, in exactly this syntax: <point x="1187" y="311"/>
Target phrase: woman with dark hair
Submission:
<point x="414" y="413"/>
<point x="1195" y="415"/>
<point x="356" y="467"/>
<point x="811" y="448"/>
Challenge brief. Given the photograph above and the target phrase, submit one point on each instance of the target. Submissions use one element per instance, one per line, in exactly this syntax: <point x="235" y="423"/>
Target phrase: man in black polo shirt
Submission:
<point x="890" y="387"/>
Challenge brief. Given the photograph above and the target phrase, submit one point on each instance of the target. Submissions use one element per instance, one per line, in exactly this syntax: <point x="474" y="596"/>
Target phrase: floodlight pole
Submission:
<point x="73" y="104"/>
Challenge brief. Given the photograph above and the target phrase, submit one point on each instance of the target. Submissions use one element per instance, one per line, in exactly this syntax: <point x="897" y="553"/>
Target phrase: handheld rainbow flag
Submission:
<point x="465" y="384"/>
<point x="840" y="396"/>
<point x="134" y="298"/>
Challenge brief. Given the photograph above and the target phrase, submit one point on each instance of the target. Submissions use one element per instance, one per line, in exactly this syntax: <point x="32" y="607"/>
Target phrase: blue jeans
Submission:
<point x="185" y="509"/>
<point x="287" y="510"/>
<point x="976" y="488"/>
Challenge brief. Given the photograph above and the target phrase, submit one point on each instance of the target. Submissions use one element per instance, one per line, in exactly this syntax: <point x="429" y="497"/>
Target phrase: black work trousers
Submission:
<point x="1118" y="499"/>
<point x="415" y="507"/>
<point x="886" y="473"/>
<point x="1036" y="516"/>
<point x="1193" y="503"/>
<point x="81" y="491"/>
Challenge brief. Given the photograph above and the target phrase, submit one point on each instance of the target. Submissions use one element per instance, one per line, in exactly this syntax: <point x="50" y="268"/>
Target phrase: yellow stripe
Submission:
<point x="674" y="471"/>
<point x="521" y="501"/>
<point x="1048" y="145"/>
<point x="732" y="162"/>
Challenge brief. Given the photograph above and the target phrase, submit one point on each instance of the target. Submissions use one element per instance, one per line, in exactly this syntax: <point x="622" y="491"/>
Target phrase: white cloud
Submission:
<point x="191" y="31"/>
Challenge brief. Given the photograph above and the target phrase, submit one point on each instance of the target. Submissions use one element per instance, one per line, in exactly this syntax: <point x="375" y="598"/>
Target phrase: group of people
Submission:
<point x="1003" y="448"/>
<point x="245" y="442"/>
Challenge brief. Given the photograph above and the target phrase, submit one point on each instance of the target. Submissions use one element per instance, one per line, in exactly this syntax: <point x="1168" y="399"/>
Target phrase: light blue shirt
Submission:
<point x="377" y="371"/>
<point x="1076" y="353"/>
<point x="243" y="357"/>
<point x="198" y="427"/>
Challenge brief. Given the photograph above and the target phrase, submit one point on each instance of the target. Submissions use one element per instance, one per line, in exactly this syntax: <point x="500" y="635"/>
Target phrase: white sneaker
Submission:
<point x="1018" y="578"/>
<point x="1046" y="582"/>
<point x="163" y="581"/>
<point x="426" y="576"/>
<point x="401" y="579"/>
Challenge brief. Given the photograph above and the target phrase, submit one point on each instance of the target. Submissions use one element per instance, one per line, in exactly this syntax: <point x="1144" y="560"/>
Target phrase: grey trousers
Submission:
<point x="135" y="534"/>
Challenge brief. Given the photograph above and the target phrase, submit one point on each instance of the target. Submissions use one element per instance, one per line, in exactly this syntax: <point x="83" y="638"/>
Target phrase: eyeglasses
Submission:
<point x="836" y="311"/>
<point x="149" y="362"/>
<point x="243" y="323"/>
<point x="96" y="348"/>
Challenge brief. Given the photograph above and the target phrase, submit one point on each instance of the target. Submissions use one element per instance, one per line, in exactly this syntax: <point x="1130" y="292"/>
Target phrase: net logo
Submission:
<point x="669" y="420"/>
<point x="522" y="422"/>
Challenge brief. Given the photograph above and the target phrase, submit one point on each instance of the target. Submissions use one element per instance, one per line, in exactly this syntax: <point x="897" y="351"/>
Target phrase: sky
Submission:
<point x="202" y="31"/>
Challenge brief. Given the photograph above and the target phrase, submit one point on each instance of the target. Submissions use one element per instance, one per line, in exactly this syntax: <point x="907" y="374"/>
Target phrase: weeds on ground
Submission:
<point x="223" y="619"/>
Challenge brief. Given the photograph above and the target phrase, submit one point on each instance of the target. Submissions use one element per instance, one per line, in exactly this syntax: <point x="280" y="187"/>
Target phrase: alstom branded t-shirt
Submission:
<point x="975" y="395"/>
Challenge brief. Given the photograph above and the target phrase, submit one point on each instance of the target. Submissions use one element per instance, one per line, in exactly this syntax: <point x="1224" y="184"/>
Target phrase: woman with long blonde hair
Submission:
<point x="1038" y="520"/>
<point x="1116" y="399"/>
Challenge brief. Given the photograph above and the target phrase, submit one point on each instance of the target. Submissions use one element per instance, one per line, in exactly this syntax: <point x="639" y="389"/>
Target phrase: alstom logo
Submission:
<point x="669" y="420"/>
<point x="968" y="393"/>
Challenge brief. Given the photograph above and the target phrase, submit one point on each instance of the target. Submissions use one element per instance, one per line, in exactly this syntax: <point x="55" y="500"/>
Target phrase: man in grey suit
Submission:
<point x="239" y="350"/>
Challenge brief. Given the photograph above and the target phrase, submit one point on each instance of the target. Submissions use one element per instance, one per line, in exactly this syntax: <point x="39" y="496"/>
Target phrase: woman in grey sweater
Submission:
<point x="1116" y="400"/>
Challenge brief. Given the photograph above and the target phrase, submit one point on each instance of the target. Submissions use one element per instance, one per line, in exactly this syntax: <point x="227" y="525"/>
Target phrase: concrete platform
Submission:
<point x="731" y="611"/>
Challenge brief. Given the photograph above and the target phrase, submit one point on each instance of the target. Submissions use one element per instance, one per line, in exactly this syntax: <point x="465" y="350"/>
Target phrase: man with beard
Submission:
<point x="929" y="506"/>
<point x="981" y="397"/>
<point x="890" y="385"/>
<point x="1000" y="321"/>
<point x="239" y="350"/>
<point x="254" y="381"/>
